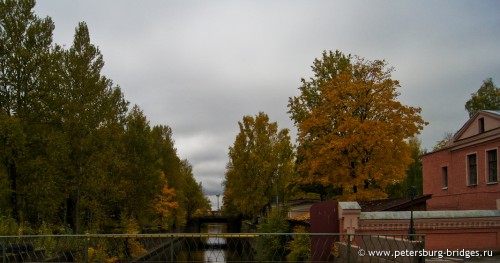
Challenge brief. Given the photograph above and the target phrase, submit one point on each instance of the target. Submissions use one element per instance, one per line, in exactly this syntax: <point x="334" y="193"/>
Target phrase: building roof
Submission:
<point x="399" y="204"/>
<point x="491" y="113"/>
<point x="470" y="131"/>
<point x="497" y="112"/>
<point x="298" y="202"/>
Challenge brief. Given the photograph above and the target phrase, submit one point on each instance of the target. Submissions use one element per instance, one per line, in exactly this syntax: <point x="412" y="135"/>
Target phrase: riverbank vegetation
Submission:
<point x="355" y="141"/>
<point x="74" y="156"/>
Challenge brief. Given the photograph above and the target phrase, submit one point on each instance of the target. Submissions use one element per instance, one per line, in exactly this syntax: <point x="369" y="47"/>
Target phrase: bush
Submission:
<point x="8" y="226"/>
<point x="274" y="246"/>
<point x="299" y="246"/>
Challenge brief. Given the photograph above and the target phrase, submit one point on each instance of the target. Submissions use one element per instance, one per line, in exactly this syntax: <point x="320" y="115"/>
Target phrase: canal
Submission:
<point x="216" y="248"/>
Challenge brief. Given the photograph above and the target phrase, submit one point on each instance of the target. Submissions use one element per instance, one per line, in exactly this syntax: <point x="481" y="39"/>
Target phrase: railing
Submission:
<point x="265" y="247"/>
<point x="214" y="213"/>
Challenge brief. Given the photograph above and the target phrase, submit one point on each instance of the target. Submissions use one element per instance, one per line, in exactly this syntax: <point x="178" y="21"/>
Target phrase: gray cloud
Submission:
<point x="200" y="66"/>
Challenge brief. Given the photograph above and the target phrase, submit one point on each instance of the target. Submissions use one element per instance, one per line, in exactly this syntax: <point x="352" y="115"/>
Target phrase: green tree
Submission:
<point x="141" y="178"/>
<point x="447" y="137"/>
<point x="25" y="55"/>
<point x="71" y="152"/>
<point x="12" y="139"/>
<point x="311" y="92"/>
<point x="195" y="202"/>
<point x="299" y="246"/>
<point x="28" y="77"/>
<point x="260" y="163"/>
<point x="104" y="193"/>
<point x="352" y="129"/>
<point x="487" y="97"/>
<point x="170" y="164"/>
<point x="414" y="176"/>
<point x="90" y="103"/>
<point x="274" y="247"/>
<point x="301" y="108"/>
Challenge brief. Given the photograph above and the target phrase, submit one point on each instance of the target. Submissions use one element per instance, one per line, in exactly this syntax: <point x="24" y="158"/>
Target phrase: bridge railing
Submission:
<point x="251" y="247"/>
<point x="213" y="213"/>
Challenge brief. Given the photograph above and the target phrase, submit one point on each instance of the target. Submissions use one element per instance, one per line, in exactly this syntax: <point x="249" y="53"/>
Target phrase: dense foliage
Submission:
<point x="73" y="155"/>
<point x="274" y="247"/>
<point x="352" y="131"/>
<point x="414" y="173"/>
<point x="487" y="97"/>
<point x="260" y="165"/>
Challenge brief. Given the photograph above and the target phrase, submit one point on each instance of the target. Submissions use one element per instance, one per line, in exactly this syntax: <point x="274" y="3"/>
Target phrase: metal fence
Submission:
<point x="265" y="247"/>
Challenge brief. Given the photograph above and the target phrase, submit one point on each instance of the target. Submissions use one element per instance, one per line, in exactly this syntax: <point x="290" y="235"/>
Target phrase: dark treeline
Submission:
<point x="73" y="155"/>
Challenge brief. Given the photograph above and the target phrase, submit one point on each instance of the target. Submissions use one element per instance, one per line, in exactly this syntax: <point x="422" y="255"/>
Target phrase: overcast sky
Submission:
<point x="200" y="66"/>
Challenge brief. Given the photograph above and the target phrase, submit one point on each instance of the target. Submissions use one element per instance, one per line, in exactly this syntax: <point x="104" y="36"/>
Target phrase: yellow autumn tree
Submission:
<point x="260" y="165"/>
<point x="164" y="204"/>
<point x="352" y="130"/>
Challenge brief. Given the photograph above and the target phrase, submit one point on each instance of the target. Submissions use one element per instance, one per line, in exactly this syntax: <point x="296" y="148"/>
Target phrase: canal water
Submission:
<point x="214" y="254"/>
<point x="217" y="248"/>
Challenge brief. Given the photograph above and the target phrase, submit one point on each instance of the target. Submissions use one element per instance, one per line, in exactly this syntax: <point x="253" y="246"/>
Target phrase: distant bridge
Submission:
<point x="212" y="217"/>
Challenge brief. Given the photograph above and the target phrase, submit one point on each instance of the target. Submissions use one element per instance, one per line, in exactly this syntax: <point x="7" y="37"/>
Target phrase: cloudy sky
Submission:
<point x="200" y="66"/>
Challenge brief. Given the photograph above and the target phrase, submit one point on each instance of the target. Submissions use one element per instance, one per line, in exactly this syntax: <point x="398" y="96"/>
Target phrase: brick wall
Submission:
<point x="479" y="229"/>
<point x="470" y="233"/>
<point x="459" y="195"/>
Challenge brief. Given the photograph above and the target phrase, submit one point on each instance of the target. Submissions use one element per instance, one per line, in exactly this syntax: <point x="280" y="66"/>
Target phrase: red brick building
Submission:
<point x="464" y="174"/>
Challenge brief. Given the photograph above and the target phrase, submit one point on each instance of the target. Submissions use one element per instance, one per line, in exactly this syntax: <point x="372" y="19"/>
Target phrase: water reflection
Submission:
<point x="215" y="246"/>
<point x="217" y="254"/>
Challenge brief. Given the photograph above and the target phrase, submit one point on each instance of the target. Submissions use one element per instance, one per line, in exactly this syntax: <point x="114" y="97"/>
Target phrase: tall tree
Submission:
<point x="91" y="103"/>
<point x="170" y="164"/>
<point x="141" y="179"/>
<point x="28" y="62"/>
<point x="12" y="146"/>
<point x="25" y="49"/>
<point x="195" y="202"/>
<point x="260" y="163"/>
<point x="165" y="205"/>
<point x="69" y="152"/>
<point x="352" y="129"/>
<point x="487" y="97"/>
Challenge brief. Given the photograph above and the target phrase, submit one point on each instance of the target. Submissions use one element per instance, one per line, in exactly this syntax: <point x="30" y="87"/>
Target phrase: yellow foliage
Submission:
<point x="299" y="246"/>
<point x="335" y="250"/>
<point x="354" y="137"/>
<point x="112" y="259"/>
<point x="99" y="254"/>
<point x="136" y="249"/>
<point x="305" y="216"/>
<point x="132" y="227"/>
<point x="164" y="203"/>
<point x="260" y="164"/>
